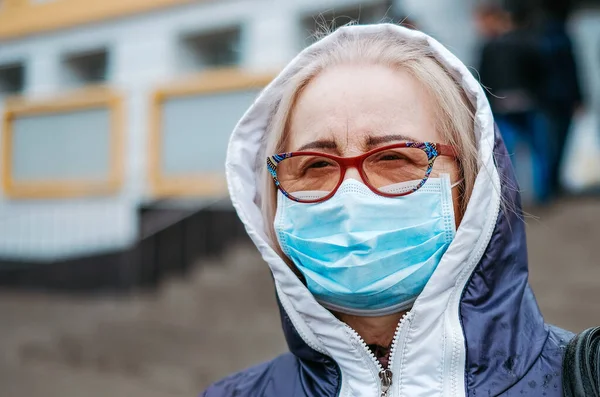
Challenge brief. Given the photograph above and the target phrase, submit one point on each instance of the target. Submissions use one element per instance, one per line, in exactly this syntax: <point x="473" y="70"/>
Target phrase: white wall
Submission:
<point x="585" y="26"/>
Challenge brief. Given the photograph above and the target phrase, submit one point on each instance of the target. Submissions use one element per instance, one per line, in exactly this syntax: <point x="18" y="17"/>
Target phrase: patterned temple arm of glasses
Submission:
<point x="273" y="161"/>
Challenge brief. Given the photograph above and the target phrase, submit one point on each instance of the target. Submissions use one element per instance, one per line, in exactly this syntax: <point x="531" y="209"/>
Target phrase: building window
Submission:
<point x="12" y="78"/>
<point x="201" y="50"/>
<point x="191" y="123"/>
<point x="86" y="67"/>
<point x="332" y="18"/>
<point x="64" y="147"/>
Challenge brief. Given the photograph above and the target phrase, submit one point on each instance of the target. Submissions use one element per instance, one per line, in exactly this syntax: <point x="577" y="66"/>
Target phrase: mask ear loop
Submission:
<point x="455" y="184"/>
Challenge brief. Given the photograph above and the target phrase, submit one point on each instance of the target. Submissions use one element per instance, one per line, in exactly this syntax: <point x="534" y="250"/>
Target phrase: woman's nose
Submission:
<point x="352" y="173"/>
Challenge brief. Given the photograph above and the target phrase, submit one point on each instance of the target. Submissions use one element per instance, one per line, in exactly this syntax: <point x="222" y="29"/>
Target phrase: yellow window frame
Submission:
<point x="207" y="82"/>
<point x="87" y="98"/>
<point x="20" y="18"/>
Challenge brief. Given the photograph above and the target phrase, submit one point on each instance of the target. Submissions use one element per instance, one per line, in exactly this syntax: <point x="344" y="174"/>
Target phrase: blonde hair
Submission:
<point x="455" y="113"/>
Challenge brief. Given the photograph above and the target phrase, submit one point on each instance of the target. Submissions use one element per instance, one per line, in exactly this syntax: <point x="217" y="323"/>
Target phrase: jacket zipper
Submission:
<point x="385" y="374"/>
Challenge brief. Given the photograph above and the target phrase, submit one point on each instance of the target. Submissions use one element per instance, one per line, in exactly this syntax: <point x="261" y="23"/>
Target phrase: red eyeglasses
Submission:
<point x="390" y="171"/>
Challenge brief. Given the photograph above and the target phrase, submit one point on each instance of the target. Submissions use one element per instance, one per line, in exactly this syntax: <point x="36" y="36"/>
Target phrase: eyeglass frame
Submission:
<point x="431" y="149"/>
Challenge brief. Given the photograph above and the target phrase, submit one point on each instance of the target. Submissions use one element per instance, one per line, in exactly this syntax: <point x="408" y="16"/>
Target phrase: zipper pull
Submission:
<point x="385" y="376"/>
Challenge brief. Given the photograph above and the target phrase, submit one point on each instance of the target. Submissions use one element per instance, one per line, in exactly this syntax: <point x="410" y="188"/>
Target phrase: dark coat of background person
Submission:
<point x="512" y="68"/>
<point x="562" y="91"/>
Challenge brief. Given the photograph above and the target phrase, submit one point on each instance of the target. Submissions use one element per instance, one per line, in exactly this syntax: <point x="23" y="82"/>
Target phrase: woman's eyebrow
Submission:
<point x="320" y="144"/>
<point x="378" y="140"/>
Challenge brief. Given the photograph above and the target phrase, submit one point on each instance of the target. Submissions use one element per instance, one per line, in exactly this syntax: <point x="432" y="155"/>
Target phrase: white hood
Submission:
<point x="430" y="352"/>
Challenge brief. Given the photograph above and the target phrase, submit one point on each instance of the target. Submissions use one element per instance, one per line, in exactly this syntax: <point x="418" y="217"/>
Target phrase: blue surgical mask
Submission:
<point x="365" y="254"/>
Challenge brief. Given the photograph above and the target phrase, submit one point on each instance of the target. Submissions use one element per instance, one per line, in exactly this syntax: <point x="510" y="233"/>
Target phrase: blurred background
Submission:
<point x="124" y="270"/>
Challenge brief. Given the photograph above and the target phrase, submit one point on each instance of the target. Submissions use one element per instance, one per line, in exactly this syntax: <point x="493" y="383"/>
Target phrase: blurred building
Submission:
<point x="116" y="110"/>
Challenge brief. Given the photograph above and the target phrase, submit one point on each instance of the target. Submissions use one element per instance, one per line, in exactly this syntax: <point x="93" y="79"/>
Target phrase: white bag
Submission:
<point x="581" y="170"/>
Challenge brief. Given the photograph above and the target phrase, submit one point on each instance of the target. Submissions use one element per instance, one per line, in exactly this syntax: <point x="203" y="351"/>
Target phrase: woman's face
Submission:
<point x="348" y="110"/>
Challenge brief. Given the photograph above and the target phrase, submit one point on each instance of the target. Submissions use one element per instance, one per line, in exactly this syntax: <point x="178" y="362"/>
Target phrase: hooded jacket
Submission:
<point x="475" y="330"/>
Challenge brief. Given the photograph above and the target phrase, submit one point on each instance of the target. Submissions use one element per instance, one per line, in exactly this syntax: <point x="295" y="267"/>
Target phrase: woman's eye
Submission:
<point x="319" y="164"/>
<point x="390" y="157"/>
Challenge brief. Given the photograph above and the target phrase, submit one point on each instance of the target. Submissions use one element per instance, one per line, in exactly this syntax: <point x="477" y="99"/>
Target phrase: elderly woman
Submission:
<point x="371" y="178"/>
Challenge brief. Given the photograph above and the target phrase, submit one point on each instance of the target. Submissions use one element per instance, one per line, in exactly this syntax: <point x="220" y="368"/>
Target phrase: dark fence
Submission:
<point x="173" y="238"/>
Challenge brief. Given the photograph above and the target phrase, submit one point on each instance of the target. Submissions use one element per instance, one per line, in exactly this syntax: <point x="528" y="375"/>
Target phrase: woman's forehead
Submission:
<point x="353" y="106"/>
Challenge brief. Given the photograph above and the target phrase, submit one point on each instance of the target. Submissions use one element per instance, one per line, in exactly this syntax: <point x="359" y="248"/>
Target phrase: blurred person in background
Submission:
<point x="371" y="178"/>
<point x="562" y="91"/>
<point x="512" y="68"/>
<point x="491" y="21"/>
